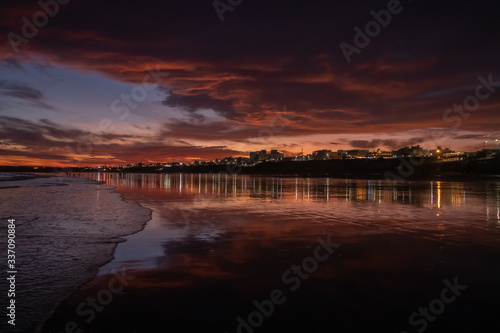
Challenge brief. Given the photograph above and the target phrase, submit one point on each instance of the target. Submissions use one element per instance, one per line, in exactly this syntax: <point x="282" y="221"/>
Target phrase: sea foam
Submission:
<point x="66" y="228"/>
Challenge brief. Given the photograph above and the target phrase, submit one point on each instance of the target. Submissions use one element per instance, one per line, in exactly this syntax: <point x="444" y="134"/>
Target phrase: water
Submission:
<point x="65" y="229"/>
<point x="219" y="247"/>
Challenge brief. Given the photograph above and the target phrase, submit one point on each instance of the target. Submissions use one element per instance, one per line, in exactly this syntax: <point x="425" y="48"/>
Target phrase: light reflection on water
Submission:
<point x="214" y="207"/>
<point x="426" y="194"/>
<point x="434" y="193"/>
<point x="217" y="242"/>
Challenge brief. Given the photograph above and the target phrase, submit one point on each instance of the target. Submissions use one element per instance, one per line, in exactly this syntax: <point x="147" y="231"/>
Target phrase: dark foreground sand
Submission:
<point x="363" y="287"/>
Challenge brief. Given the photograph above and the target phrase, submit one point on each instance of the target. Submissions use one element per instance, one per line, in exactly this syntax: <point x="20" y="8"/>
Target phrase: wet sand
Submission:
<point x="205" y="257"/>
<point x="364" y="287"/>
<point x="66" y="228"/>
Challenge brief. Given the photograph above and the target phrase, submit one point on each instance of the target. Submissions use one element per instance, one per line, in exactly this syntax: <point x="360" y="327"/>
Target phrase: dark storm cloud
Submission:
<point x="195" y="102"/>
<point x="50" y="141"/>
<point x="42" y="134"/>
<point x="282" y="53"/>
<point x="266" y="55"/>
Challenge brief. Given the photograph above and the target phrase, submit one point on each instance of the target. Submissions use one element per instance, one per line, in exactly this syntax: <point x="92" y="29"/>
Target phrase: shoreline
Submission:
<point x="201" y="283"/>
<point x="73" y="230"/>
<point x="42" y="324"/>
<point x="206" y="272"/>
<point x="119" y="239"/>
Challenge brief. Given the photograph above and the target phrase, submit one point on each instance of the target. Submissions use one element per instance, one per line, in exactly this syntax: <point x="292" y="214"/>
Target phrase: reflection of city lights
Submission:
<point x="439" y="194"/>
<point x="436" y="195"/>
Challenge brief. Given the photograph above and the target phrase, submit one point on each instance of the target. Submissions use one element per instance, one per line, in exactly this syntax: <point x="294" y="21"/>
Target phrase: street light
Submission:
<point x="484" y="143"/>
<point x="497" y="141"/>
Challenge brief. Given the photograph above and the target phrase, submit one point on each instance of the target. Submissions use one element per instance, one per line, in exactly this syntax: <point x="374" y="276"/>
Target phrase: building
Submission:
<point x="356" y="153"/>
<point x="382" y="154"/>
<point x="447" y="154"/>
<point x="258" y="156"/>
<point x="262" y="156"/>
<point x="275" y="156"/>
<point x="325" y="154"/>
<point x="254" y="156"/>
<point x="416" y="151"/>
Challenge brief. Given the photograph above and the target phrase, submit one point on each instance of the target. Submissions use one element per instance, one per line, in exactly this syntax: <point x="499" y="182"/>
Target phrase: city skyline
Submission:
<point x="273" y="155"/>
<point x="96" y="84"/>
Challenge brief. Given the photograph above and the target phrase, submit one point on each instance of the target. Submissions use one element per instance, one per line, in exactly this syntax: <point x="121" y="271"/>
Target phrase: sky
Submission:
<point x="86" y="83"/>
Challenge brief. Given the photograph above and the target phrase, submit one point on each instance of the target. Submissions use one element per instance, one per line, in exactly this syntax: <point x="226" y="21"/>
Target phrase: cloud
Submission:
<point x="262" y="59"/>
<point x="12" y="63"/>
<point x="45" y="141"/>
<point x="199" y="101"/>
<point x="24" y="92"/>
<point x="19" y="90"/>
<point x="391" y="143"/>
<point x="238" y="79"/>
<point x="478" y="136"/>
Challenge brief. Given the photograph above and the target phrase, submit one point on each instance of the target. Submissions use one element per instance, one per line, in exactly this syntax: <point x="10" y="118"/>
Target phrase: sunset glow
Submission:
<point x="173" y="83"/>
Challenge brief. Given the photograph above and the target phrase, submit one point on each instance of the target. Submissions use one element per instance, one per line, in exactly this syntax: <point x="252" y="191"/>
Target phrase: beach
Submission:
<point x="225" y="253"/>
<point x="66" y="228"/>
<point x="250" y="166"/>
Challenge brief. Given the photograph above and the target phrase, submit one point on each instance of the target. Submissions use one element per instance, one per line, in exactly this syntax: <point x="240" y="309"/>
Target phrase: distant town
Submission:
<point x="263" y="156"/>
<point x="412" y="162"/>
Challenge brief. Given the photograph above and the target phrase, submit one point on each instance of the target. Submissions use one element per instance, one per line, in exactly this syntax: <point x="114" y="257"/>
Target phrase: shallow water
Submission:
<point x="65" y="229"/>
<point x="217" y="243"/>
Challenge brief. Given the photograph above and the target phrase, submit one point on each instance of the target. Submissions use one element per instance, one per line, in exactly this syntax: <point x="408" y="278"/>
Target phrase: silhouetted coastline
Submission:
<point x="397" y="169"/>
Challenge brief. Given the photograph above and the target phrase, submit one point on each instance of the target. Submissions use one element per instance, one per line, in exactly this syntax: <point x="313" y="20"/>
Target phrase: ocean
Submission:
<point x="240" y="253"/>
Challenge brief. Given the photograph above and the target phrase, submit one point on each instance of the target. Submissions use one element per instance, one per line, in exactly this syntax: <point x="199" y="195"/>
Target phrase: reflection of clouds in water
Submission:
<point x="210" y="235"/>
<point x="205" y="195"/>
<point x="241" y="233"/>
<point x="202" y="215"/>
<point x="211" y="208"/>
